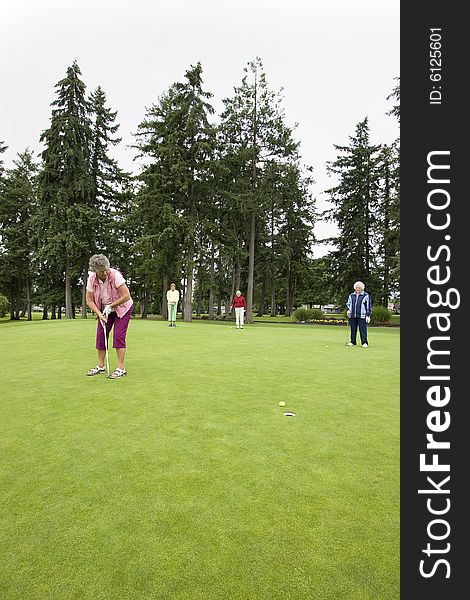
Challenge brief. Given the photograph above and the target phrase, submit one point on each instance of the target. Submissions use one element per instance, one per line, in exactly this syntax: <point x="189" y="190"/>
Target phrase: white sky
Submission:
<point x="335" y="59"/>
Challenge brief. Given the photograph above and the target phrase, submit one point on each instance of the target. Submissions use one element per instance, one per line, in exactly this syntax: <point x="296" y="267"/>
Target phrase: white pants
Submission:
<point x="239" y="314"/>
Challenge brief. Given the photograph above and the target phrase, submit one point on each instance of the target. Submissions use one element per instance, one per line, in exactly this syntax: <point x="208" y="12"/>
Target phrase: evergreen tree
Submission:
<point x="318" y="285"/>
<point x="177" y="139"/>
<point x="355" y="201"/>
<point x="388" y="220"/>
<point x="254" y="132"/>
<point x="295" y="237"/>
<point x="108" y="180"/>
<point x="66" y="212"/>
<point x="2" y="150"/>
<point x="109" y="186"/>
<point x="390" y="160"/>
<point x="395" y="96"/>
<point x="17" y="205"/>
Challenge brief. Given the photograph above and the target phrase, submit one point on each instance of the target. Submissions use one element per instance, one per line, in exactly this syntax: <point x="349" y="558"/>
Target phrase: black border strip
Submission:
<point x="434" y="119"/>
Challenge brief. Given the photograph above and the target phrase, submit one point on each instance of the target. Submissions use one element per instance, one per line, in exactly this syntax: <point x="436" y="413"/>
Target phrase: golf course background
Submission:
<point x="184" y="480"/>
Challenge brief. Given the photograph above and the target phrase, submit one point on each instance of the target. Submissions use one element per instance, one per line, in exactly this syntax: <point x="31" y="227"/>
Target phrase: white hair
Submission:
<point x="98" y="262"/>
<point x="360" y="284"/>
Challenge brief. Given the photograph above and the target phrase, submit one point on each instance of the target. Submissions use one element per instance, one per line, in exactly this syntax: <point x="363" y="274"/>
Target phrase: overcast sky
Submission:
<point x="335" y="59"/>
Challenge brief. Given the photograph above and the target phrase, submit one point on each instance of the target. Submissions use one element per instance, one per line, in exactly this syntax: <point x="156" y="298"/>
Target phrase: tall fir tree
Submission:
<point x="355" y="200"/>
<point x="395" y="96"/>
<point x="177" y="140"/>
<point x="109" y="186"/>
<point x="66" y="212"/>
<point x="17" y="206"/>
<point x="388" y="221"/>
<point x="254" y="132"/>
<point x="295" y="235"/>
<point x="2" y="150"/>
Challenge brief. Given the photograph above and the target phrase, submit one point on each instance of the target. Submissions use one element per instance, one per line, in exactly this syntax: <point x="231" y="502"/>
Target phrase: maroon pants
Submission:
<point x="119" y="333"/>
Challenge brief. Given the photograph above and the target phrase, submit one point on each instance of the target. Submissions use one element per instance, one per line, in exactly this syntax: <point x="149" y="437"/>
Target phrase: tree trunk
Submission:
<point x="386" y="225"/>
<point x="273" y="279"/>
<point x="261" y="301"/>
<point x="68" y="292"/>
<point x="84" y="305"/>
<point x="188" y="296"/>
<point x="251" y="269"/>
<point x="12" y="307"/>
<point x="44" y="313"/>
<point x="273" y="300"/>
<point x="183" y="292"/>
<point x="29" y="302"/>
<point x="199" y="300"/>
<point x="53" y="312"/>
<point x="288" y="292"/>
<point x="144" y="305"/>
<point x="251" y="259"/>
<point x="211" y="284"/>
<point x="232" y="293"/>
<point x="238" y="270"/>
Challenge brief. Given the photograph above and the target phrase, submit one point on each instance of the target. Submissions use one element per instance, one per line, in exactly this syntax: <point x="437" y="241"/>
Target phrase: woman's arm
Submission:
<point x="90" y="300"/>
<point x="125" y="296"/>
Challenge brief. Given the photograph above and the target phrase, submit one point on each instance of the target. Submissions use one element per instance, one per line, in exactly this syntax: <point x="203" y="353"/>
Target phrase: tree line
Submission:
<point x="220" y="203"/>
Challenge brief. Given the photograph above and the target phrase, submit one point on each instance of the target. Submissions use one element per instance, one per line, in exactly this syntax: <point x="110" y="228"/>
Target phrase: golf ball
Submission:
<point x="282" y="403"/>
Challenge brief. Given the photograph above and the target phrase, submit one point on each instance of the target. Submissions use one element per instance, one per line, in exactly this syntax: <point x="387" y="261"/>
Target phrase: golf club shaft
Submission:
<point x="106" y="346"/>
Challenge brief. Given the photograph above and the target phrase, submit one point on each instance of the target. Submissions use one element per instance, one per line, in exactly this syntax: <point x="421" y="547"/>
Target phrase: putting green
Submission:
<point x="184" y="480"/>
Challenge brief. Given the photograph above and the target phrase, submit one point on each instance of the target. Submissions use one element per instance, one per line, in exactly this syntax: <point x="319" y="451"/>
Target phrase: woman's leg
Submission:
<point x="121" y="354"/>
<point x="353" y="325"/>
<point x="100" y="345"/>
<point x="101" y="357"/>
<point x="119" y="336"/>
<point x="363" y="331"/>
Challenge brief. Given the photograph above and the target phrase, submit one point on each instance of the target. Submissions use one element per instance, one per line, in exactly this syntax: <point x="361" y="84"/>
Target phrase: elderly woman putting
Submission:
<point x="108" y="296"/>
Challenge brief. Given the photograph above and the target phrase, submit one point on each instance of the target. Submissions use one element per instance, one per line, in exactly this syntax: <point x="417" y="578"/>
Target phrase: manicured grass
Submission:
<point x="184" y="481"/>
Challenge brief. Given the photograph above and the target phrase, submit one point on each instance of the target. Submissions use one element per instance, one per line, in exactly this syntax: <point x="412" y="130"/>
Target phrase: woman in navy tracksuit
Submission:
<point x="359" y="310"/>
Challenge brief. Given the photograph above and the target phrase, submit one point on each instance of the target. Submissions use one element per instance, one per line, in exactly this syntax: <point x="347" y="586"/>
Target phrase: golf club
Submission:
<point x="106" y="346"/>
<point x="347" y="332"/>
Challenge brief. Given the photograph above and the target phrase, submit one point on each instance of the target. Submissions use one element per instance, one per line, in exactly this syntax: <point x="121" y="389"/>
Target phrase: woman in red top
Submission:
<point x="239" y="304"/>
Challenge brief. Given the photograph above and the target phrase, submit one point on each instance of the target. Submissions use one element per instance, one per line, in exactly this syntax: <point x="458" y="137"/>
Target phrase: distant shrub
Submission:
<point x="301" y="314"/>
<point x="380" y="315"/>
<point x="308" y="314"/>
<point x="315" y="313"/>
<point x="3" y="306"/>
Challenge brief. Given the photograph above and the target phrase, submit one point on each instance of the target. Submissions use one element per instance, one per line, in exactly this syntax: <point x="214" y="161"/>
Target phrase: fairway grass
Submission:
<point x="184" y="480"/>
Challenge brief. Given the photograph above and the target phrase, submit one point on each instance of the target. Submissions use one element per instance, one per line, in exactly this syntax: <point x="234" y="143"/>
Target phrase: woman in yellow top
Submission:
<point x="172" y="297"/>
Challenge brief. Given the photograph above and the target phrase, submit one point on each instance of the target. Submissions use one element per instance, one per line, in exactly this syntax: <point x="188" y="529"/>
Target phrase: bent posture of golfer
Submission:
<point x="359" y="310"/>
<point x="108" y="296"/>
<point x="239" y="304"/>
<point x="172" y="298"/>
